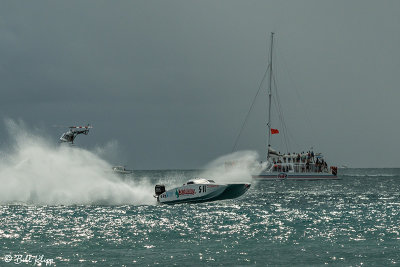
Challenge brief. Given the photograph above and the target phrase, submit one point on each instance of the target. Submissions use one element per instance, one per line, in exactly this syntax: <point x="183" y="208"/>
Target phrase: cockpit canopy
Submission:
<point x="200" y="181"/>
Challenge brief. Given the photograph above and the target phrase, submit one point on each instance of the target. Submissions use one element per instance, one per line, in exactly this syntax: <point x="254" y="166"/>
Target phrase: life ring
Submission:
<point x="282" y="175"/>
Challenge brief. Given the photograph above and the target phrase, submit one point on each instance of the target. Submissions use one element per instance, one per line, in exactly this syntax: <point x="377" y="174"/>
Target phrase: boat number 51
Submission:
<point x="202" y="188"/>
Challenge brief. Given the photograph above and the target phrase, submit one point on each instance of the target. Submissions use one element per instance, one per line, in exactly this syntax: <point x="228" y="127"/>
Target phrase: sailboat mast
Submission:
<point x="270" y="95"/>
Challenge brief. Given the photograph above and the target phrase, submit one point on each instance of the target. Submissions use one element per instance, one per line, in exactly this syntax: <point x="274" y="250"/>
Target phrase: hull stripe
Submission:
<point x="288" y="176"/>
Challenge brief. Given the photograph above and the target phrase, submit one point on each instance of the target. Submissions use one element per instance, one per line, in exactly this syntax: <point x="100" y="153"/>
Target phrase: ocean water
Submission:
<point x="350" y="222"/>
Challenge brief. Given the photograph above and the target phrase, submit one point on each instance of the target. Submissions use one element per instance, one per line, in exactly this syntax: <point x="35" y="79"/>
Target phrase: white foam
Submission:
<point x="34" y="170"/>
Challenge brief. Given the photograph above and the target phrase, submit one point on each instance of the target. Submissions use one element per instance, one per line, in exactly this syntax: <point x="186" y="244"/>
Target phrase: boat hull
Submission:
<point x="198" y="193"/>
<point x="295" y="176"/>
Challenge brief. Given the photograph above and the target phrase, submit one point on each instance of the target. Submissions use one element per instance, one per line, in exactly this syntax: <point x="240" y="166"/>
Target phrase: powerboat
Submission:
<point x="199" y="190"/>
<point x="121" y="170"/>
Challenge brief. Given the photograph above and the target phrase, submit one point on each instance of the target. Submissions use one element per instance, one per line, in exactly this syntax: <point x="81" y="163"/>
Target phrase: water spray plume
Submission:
<point x="235" y="167"/>
<point x="34" y="170"/>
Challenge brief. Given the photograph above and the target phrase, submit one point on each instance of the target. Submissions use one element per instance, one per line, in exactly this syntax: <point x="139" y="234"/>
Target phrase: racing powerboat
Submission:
<point x="199" y="190"/>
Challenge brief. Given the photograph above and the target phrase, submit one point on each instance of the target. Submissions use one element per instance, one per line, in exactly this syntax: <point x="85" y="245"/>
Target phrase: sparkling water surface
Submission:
<point x="350" y="222"/>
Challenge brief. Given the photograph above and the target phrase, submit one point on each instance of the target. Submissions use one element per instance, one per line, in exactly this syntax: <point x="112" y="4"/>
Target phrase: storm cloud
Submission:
<point x="172" y="81"/>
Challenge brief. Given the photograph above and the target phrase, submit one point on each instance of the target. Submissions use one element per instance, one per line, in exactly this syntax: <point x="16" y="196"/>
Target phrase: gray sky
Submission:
<point x="171" y="81"/>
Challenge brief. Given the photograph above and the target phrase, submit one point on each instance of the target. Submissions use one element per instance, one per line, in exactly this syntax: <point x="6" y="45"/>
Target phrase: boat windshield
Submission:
<point x="200" y="181"/>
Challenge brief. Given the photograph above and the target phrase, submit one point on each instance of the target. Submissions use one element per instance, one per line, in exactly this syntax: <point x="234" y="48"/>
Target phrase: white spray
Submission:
<point x="33" y="170"/>
<point x="235" y="167"/>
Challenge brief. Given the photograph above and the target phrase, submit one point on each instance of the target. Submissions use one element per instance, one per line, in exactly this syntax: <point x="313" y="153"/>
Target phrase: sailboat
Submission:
<point x="296" y="166"/>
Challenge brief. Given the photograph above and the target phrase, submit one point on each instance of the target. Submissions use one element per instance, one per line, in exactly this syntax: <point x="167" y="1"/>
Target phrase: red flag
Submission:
<point x="274" y="131"/>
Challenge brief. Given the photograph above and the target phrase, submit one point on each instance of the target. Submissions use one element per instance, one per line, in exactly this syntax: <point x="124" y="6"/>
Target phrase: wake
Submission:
<point x="34" y="170"/>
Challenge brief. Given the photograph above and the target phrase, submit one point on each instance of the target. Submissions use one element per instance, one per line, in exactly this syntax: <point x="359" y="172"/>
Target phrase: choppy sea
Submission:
<point x="354" y="221"/>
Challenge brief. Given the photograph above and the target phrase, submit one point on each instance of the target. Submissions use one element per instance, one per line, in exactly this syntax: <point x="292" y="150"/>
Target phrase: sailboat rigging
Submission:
<point x="296" y="166"/>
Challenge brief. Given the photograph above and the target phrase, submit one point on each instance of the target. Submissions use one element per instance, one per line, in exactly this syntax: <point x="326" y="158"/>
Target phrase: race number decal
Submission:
<point x="202" y="188"/>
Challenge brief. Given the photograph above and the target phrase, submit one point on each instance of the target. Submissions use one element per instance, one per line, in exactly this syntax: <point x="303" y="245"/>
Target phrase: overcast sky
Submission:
<point x="171" y="81"/>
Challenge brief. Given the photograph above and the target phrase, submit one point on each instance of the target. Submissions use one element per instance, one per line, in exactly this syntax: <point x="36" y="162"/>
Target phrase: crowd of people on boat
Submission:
<point x="301" y="162"/>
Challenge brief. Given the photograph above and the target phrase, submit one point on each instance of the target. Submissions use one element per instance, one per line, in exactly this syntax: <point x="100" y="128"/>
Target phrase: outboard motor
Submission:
<point x="159" y="189"/>
<point x="334" y="170"/>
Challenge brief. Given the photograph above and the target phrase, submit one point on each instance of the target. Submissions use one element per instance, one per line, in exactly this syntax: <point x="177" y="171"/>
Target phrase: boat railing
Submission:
<point x="298" y="167"/>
